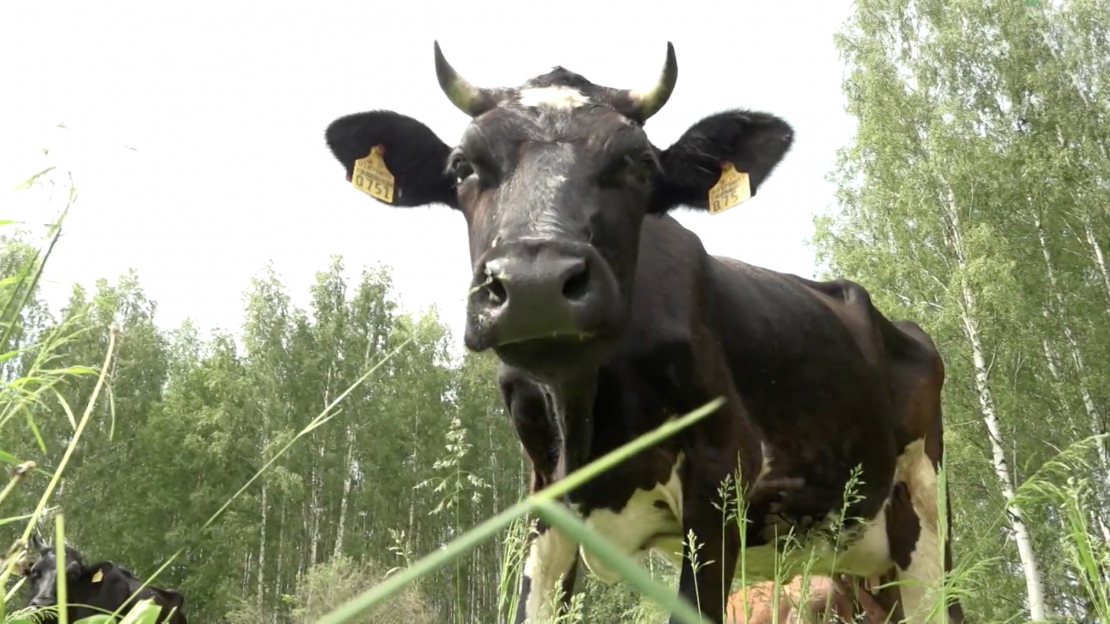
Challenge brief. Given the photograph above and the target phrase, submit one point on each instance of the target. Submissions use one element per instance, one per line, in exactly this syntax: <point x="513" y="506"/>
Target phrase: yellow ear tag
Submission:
<point x="730" y="191"/>
<point x="372" y="177"/>
<point x="99" y="576"/>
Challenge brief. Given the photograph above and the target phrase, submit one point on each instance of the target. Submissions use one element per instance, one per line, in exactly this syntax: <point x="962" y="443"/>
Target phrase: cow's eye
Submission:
<point x="461" y="168"/>
<point x="641" y="167"/>
<point x="638" y="167"/>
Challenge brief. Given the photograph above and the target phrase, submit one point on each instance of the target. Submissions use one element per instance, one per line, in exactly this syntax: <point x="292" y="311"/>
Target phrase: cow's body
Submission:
<point x="817" y="382"/>
<point x="94" y="589"/>
<point x="121" y="587"/>
<point x="610" y="318"/>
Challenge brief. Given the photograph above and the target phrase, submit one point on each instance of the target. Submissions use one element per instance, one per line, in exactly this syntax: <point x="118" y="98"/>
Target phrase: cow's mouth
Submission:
<point x="555" y="340"/>
<point x="552" y="357"/>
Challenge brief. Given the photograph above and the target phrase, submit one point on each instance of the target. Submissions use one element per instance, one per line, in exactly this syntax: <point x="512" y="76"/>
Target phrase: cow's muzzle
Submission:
<point x="43" y="601"/>
<point x="540" y="290"/>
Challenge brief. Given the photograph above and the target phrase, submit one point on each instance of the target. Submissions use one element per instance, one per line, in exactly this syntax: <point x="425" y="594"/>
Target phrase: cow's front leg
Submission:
<point x="551" y="555"/>
<point x="711" y="548"/>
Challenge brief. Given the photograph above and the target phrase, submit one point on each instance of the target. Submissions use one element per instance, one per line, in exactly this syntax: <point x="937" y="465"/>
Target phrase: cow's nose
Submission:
<point x="42" y="601"/>
<point x="538" y="290"/>
<point x="525" y="283"/>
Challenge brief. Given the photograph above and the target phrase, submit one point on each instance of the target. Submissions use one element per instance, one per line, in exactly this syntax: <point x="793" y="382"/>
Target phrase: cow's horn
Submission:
<point x="469" y="99"/>
<point x="647" y="103"/>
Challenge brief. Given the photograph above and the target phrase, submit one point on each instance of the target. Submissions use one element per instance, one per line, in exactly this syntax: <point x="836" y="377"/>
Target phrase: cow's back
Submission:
<point x="811" y="366"/>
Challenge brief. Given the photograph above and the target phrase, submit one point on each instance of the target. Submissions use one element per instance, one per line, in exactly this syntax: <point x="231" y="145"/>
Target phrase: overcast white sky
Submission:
<point x="222" y="108"/>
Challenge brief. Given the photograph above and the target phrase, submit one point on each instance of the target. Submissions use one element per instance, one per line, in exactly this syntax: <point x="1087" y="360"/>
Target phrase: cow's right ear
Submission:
<point x="35" y="543"/>
<point x="752" y="142"/>
<point x="414" y="155"/>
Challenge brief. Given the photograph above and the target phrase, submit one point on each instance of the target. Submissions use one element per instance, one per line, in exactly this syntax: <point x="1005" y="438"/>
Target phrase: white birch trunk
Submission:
<point x="314" y="511"/>
<point x="280" y="559"/>
<point x="1034" y="583"/>
<point x="346" y="493"/>
<point x="262" y="548"/>
<point x="317" y="478"/>
<point x="1051" y="356"/>
<point x="1076" y="354"/>
<point x="265" y="505"/>
<point x="1096" y="252"/>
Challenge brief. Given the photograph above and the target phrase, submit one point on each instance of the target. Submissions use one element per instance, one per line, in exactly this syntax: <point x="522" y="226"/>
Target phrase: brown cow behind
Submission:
<point x="824" y="593"/>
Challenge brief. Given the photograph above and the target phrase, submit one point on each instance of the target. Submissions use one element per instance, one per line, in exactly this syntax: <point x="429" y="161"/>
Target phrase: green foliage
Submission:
<point x="328" y="584"/>
<point x="973" y="201"/>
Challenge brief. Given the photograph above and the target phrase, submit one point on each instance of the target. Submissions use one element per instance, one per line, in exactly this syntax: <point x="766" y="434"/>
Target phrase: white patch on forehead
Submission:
<point x="562" y="98"/>
<point x="652" y="519"/>
<point x="527" y="202"/>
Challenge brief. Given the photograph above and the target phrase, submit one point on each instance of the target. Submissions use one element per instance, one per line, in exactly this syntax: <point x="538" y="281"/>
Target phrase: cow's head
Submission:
<point x="554" y="179"/>
<point x="42" y="576"/>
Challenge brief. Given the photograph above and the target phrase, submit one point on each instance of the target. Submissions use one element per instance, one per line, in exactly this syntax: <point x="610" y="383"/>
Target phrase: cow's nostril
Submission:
<point x="576" y="287"/>
<point x="496" y="291"/>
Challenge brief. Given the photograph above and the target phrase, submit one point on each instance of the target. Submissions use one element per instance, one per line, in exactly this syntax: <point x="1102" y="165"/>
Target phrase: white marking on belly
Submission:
<point x="868" y="554"/>
<point x="563" y="98"/>
<point x="926" y="569"/>
<point x="641" y="525"/>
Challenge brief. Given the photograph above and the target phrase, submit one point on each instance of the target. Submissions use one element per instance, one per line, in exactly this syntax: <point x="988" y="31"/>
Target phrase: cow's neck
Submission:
<point x="572" y="402"/>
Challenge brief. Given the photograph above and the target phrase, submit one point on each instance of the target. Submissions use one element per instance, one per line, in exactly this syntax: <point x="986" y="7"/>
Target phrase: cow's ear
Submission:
<point x="96" y="572"/>
<point x="35" y="543"/>
<point x="752" y="142"/>
<point x="412" y="153"/>
<point x="73" y="568"/>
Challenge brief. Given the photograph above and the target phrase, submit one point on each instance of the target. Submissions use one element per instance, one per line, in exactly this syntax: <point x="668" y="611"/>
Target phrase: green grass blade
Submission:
<point x="144" y="612"/>
<point x="60" y="567"/>
<point x="490" y="527"/>
<point x="69" y="449"/>
<point x="577" y="530"/>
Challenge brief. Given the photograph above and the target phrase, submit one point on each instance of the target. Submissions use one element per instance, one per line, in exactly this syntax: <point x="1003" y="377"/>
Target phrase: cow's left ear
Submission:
<point x="752" y="142"/>
<point x="412" y="155"/>
<point x="95" y="573"/>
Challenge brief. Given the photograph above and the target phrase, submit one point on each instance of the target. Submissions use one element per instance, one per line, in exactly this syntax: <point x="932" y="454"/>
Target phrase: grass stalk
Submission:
<point x="60" y="568"/>
<point x="573" y="527"/>
<point x="5" y="573"/>
<point x="489" y="528"/>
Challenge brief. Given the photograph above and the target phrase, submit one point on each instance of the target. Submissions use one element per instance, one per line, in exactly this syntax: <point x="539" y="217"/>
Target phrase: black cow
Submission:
<point x="92" y="589"/>
<point x="610" y="318"/>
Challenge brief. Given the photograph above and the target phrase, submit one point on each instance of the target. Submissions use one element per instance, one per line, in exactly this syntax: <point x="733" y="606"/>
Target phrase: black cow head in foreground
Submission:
<point x="92" y="589"/>
<point x="554" y="179"/>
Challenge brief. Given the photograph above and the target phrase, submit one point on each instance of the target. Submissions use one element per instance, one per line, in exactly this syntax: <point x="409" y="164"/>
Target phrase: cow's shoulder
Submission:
<point x="898" y="341"/>
<point x="125" y="573"/>
<point x="903" y="355"/>
<point x="671" y="274"/>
